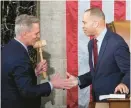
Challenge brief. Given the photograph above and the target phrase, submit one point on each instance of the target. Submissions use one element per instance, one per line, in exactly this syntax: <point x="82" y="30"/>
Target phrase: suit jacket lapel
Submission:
<point x="102" y="49"/>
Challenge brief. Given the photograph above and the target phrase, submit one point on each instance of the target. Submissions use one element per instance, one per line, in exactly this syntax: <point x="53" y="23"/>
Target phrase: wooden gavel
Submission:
<point x="39" y="44"/>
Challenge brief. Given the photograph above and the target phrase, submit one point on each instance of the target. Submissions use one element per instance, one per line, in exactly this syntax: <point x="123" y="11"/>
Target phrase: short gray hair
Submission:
<point x="24" y="23"/>
<point x="95" y="11"/>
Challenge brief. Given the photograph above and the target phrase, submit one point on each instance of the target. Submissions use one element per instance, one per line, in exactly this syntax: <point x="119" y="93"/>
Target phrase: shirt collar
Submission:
<point x="102" y="35"/>
<point x="22" y="44"/>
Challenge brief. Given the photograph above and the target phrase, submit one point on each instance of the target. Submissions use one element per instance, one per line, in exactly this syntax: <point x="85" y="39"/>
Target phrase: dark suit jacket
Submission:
<point x="19" y="87"/>
<point x="113" y="66"/>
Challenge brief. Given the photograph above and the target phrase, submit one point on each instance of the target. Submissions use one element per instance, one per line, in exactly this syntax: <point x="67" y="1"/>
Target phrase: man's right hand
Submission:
<point x="41" y="67"/>
<point x="72" y="79"/>
<point x="61" y="83"/>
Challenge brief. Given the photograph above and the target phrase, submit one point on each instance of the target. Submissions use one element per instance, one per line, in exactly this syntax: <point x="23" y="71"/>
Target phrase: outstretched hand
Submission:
<point x="72" y="79"/>
<point x="60" y="83"/>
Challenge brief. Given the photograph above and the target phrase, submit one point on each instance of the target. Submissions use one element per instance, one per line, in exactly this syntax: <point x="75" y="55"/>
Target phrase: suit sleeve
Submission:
<point x="24" y="81"/>
<point x="85" y="80"/>
<point x="122" y="57"/>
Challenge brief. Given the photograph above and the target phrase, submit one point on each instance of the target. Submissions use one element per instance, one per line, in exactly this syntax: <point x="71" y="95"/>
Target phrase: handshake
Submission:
<point x="61" y="83"/>
<point x="56" y="80"/>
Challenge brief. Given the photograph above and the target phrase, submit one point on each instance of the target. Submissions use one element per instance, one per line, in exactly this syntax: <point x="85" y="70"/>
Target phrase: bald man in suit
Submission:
<point x="109" y="58"/>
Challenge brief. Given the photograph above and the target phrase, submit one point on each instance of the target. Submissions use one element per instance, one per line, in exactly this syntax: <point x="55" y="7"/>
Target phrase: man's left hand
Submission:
<point x="122" y="88"/>
<point x="41" y="67"/>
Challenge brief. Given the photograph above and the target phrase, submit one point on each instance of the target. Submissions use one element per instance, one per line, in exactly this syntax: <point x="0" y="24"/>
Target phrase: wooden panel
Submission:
<point x="123" y="29"/>
<point x="102" y="105"/>
<point x="119" y="105"/>
<point x="111" y="103"/>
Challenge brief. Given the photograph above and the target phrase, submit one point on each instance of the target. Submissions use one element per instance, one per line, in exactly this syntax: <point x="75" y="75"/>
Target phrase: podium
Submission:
<point x="119" y="103"/>
<point x="111" y="103"/>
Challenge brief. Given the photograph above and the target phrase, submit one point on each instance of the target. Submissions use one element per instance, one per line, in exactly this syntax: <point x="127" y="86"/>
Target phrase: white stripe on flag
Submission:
<point x="83" y="58"/>
<point x="108" y="9"/>
<point x="128" y="10"/>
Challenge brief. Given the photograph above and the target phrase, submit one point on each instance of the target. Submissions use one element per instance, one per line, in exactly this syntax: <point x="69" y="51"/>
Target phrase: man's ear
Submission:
<point x="95" y="24"/>
<point x="24" y="34"/>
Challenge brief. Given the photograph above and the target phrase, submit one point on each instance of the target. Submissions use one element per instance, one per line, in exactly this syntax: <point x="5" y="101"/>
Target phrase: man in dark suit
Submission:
<point x="109" y="58"/>
<point x="19" y="87"/>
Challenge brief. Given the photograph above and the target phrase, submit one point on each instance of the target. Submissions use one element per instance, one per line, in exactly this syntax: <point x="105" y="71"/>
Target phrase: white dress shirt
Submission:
<point x="99" y="42"/>
<point x="100" y="39"/>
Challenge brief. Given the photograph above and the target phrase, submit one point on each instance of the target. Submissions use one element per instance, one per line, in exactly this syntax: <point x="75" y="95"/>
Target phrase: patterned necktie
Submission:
<point x="95" y="52"/>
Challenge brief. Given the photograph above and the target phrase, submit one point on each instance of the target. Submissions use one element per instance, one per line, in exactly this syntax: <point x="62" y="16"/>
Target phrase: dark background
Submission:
<point x="9" y="11"/>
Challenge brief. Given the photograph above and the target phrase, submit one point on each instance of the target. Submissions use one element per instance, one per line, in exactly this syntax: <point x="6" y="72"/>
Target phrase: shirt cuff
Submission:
<point x="51" y="85"/>
<point x="79" y="83"/>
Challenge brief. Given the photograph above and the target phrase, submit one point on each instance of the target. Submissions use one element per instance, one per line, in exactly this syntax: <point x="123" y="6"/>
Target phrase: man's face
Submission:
<point x="88" y="24"/>
<point x="33" y="35"/>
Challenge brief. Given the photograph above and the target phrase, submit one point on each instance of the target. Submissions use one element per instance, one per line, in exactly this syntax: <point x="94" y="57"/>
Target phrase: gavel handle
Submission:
<point x="41" y="58"/>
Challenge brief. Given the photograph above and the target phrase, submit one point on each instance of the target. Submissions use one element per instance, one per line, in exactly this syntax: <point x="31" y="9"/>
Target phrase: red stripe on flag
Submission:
<point x="72" y="49"/>
<point x="119" y="10"/>
<point x="98" y="4"/>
